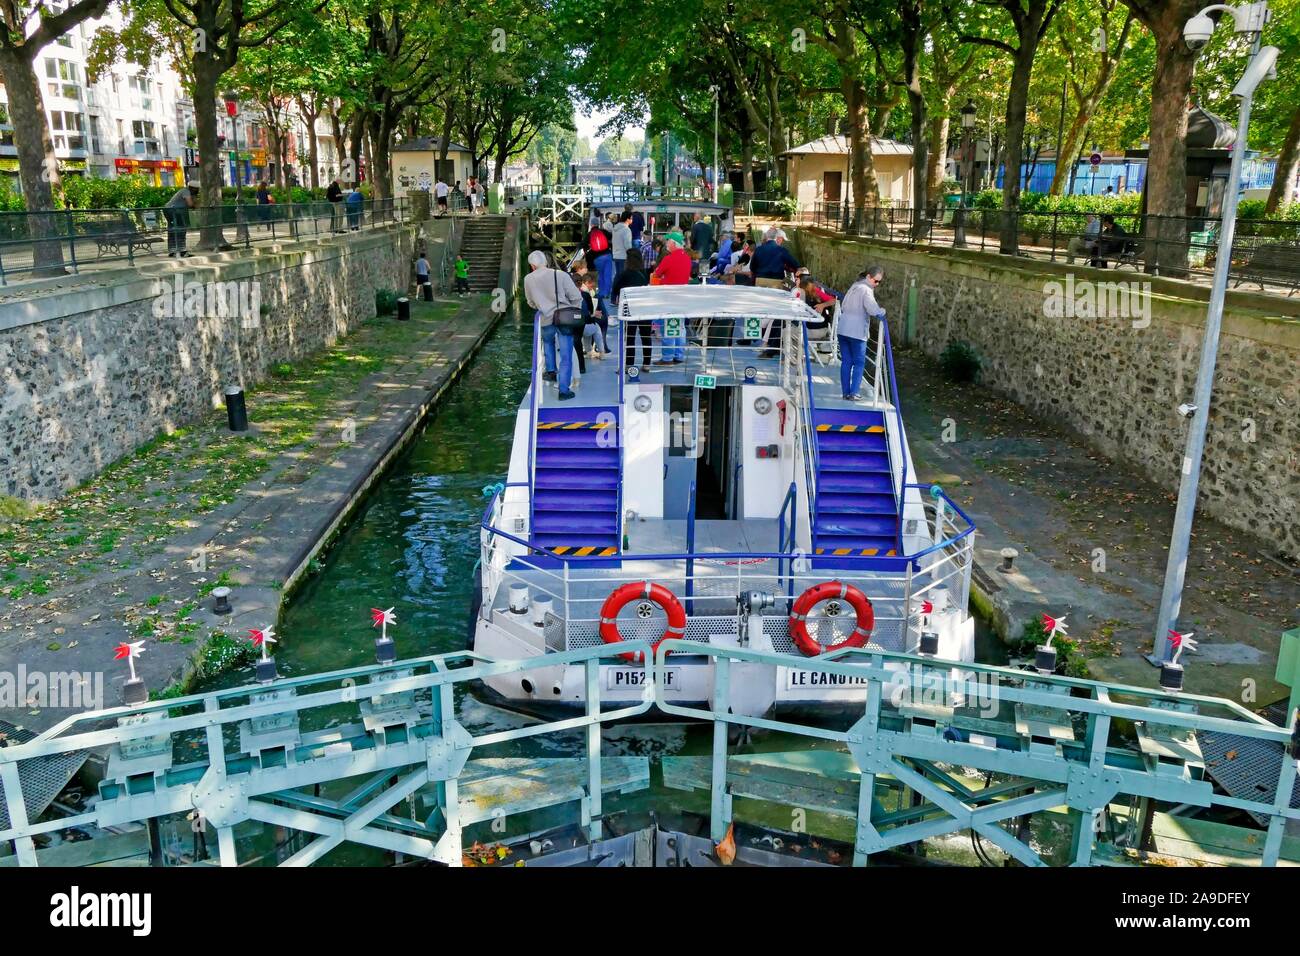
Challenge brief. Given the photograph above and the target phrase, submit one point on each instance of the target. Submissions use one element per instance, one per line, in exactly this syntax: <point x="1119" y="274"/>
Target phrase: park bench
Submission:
<point x="120" y="234"/>
<point x="1275" y="262"/>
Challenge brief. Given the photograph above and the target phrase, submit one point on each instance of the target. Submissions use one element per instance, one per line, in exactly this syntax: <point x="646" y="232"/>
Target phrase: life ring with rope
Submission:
<point x="827" y="591"/>
<point x="645" y="591"/>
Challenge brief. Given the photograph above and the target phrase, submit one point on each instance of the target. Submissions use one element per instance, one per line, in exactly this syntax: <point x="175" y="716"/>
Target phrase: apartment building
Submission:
<point x="132" y="121"/>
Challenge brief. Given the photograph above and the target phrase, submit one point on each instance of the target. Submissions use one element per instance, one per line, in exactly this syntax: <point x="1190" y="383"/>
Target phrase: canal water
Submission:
<point x="412" y="546"/>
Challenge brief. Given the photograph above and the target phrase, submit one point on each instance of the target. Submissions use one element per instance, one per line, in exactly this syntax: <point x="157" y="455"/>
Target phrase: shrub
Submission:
<point x="959" y="362"/>
<point x="385" y="301"/>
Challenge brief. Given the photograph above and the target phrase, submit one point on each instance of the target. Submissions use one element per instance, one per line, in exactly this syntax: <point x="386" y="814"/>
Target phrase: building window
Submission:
<point x="141" y="88"/>
<point x="145" y="138"/>
<point x="66" y="129"/>
<point x="66" y="72"/>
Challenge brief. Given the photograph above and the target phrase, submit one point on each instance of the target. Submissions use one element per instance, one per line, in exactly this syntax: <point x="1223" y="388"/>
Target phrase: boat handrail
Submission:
<point x="791" y="498"/>
<point x="902" y="437"/>
<point x="534" y="403"/>
<point x="719" y="555"/>
<point x="690" y="548"/>
<point x="811" y="454"/>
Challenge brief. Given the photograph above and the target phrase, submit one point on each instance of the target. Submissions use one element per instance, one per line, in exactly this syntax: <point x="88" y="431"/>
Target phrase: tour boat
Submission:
<point x="735" y="498"/>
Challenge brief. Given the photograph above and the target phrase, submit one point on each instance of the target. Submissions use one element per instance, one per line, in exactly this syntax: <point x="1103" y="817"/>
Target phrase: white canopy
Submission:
<point x="643" y="303"/>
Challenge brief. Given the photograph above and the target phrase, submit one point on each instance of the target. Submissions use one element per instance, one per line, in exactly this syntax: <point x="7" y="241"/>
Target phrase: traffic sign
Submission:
<point x="1095" y="159"/>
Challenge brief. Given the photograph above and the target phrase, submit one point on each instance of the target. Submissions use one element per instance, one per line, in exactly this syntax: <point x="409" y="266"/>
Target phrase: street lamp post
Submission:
<point x="232" y="110"/>
<point x="714" y="90"/>
<point x="1249" y="19"/>
<point x="968" y="113"/>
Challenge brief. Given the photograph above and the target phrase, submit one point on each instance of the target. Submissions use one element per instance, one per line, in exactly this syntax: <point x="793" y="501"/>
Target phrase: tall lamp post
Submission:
<point x="714" y="90"/>
<point x="1248" y="18"/>
<point x="968" y="114"/>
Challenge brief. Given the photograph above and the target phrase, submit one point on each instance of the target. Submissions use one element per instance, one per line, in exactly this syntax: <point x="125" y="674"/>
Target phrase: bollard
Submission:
<point x="1009" y="556"/>
<point x="236" y="412"/>
<point x="426" y="292"/>
<point x="221" y="600"/>
<point x="404" y="309"/>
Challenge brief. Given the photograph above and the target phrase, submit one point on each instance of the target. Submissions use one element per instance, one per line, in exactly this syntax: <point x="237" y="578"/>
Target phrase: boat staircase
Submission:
<point x="577" y="472"/>
<point x="857" y="510"/>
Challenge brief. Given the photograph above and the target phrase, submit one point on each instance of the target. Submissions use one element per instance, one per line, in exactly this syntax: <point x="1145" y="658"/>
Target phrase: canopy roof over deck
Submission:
<point x="643" y="303"/>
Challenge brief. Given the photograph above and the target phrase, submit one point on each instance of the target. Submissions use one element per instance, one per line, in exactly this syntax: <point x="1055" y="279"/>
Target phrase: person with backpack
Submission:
<point x="598" y="243"/>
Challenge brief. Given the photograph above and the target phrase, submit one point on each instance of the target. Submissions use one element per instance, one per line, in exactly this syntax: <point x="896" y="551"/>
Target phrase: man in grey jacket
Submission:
<point x="856" y="312"/>
<point x="621" y="241"/>
<point x="547" y="289"/>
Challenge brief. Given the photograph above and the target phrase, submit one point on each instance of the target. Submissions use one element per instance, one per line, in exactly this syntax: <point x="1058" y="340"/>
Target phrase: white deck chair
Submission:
<point x="824" y="350"/>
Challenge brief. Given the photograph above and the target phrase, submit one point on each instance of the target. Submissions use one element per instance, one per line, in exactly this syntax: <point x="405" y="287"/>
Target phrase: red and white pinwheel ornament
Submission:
<point x="1053" y="626"/>
<point x="129" y="652"/>
<point x="263" y="639"/>
<point x="1179" y="643"/>
<point x="381" y="620"/>
<point x="927" y="608"/>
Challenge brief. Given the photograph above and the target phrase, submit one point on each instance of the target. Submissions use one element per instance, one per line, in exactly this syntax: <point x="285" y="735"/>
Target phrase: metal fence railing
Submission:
<point x="1265" y="253"/>
<point x="36" y="244"/>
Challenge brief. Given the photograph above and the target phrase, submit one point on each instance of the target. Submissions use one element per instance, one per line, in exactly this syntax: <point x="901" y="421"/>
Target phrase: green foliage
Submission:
<point x="385" y="301"/>
<point x="959" y="362"/>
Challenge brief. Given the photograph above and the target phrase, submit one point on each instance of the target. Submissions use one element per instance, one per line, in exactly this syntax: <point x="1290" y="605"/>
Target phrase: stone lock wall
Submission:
<point x="1116" y="374"/>
<point x="90" y="373"/>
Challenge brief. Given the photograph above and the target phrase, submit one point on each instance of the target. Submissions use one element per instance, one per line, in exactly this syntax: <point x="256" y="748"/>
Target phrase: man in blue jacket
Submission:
<point x="772" y="260"/>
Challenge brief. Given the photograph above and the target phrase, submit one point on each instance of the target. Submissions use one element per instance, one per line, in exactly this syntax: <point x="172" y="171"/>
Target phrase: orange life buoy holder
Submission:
<point x="826" y="591"/>
<point x="622" y="596"/>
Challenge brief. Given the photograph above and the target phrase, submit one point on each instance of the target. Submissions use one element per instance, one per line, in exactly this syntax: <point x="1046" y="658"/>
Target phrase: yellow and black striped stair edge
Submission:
<point x="585" y="552"/>
<point x="855" y="552"/>
<point x="572" y="426"/>
<point x="869" y="429"/>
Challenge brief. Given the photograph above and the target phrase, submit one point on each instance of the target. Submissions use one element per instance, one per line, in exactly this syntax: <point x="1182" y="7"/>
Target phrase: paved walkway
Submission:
<point x="1093" y="537"/>
<point x="135" y="554"/>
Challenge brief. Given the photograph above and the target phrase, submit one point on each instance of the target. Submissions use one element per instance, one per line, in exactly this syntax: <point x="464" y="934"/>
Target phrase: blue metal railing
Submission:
<point x="709" y="555"/>
<point x="533" y="405"/>
<point x="812" y="456"/>
<point x="690" y="549"/>
<point x="791" y="498"/>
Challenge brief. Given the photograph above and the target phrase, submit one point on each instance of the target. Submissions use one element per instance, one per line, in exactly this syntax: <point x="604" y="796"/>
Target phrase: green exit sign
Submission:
<point x="706" y="381"/>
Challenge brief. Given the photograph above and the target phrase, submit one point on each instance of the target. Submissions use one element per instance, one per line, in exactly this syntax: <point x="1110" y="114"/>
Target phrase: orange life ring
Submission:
<point x="620" y="597"/>
<point x="866" y="616"/>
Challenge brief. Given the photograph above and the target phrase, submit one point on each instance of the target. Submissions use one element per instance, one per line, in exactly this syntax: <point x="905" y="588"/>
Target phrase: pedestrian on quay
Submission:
<point x="472" y="188"/>
<point x="854" y="331"/>
<point x="334" y="193"/>
<point x="440" y="191"/>
<point x="772" y="260"/>
<point x="177" y="214"/>
<point x="263" y="203"/>
<point x="462" y="276"/>
<point x="673" y="269"/>
<point x="423" y="285"/>
<point x="631" y="277"/>
<point x="554" y="296"/>
<point x="354" y="202"/>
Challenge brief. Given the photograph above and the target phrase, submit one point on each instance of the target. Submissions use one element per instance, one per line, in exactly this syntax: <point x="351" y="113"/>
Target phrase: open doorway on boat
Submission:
<point x="701" y="440"/>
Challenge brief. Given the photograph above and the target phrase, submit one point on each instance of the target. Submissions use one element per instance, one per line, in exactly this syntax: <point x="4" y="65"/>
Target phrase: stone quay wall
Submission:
<point x="90" y="371"/>
<point x="1112" y="354"/>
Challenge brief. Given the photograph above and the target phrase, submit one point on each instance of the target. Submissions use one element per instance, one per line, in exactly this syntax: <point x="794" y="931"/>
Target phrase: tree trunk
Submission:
<point x="1017" y="106"/>
<point x="747" y="165"/>
<point x="1165" y="231"/>
<point x="938" y="152"/>
<point x="1288" y="165"/>
<point x="313" y="150"/>
<point x="1070" y="146"/>
<point x="207" y="74"/>
<point x="912" y="40"/>
<point x="38" y="171"/>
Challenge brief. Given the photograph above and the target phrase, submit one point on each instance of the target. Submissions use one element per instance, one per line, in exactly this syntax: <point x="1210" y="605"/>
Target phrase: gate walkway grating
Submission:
<point x="43" y="778"/>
